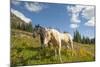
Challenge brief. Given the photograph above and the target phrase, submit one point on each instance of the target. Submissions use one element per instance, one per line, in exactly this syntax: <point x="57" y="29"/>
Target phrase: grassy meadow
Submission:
<point x="25" y="50"/>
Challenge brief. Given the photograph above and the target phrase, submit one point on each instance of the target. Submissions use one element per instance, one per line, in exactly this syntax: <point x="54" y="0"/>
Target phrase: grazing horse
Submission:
<point x="54" y="37"/>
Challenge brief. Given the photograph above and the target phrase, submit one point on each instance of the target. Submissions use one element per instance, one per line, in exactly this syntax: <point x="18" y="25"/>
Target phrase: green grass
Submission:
<point x="25" y="50"/>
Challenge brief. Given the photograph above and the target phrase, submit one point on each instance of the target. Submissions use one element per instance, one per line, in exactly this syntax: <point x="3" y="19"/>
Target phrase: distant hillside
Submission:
<point x="17" y="23"/>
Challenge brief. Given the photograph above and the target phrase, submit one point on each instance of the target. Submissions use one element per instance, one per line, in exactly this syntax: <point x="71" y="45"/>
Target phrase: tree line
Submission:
<point x="25" y="27"/>
<point x="82" y="39"/>
<point x="17" y="23"/>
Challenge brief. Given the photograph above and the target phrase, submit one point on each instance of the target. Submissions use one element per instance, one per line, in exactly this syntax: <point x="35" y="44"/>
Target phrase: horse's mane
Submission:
<point x="65" y="32"/>
<point x="49" y="28"/>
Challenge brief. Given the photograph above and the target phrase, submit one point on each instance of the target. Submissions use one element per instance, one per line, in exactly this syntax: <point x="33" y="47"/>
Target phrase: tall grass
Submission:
<point x="25" y="50"/>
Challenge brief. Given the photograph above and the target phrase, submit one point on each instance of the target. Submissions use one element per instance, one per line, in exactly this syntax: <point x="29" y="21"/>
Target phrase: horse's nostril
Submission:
<point x="33" y="36"/>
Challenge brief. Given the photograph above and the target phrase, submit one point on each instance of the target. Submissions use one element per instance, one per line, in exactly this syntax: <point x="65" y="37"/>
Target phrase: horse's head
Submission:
<point x="36" y="30"/>
<point x="42" y="32"/>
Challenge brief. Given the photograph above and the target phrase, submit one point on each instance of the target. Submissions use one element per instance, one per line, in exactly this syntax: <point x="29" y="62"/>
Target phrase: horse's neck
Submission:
<point x="42" y="32"/>
<point x="42" y="35"/>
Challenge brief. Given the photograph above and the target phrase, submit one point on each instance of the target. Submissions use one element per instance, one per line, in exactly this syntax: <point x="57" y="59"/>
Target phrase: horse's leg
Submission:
<point x="55" y="53"/>
<point x="71" y="43"/>
<point x="60" y="55"/>
<point x="59" y="50"/>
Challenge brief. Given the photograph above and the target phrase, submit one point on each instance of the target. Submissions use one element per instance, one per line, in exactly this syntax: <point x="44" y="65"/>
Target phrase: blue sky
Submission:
<point x="63" y="17"/>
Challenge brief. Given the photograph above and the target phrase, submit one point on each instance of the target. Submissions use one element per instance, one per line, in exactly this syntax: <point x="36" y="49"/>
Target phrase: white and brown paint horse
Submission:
<point x="54" y="37"/>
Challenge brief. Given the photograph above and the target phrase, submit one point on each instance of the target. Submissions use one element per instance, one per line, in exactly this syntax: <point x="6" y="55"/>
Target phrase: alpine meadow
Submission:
<point x="51" y="33"/>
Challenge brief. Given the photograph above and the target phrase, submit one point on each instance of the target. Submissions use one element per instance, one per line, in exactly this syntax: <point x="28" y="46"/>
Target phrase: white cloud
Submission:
<point x="75" y="18"/>
<point x="15" y="2"/>
<point x="75" y="11"/>
<point x="75" y="8"/>
<point x="86" y="12"/>
<point x="89" y="14"/>
<point x="91" y="22"/>
<point x="74" y="26"/>
<point x="33" y="7"/>
<point x="20" y="15"/>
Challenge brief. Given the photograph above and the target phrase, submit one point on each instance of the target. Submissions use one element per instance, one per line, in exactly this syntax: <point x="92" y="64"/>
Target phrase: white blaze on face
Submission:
<point x="46" y="39"/>
<point x="45" y="42"/>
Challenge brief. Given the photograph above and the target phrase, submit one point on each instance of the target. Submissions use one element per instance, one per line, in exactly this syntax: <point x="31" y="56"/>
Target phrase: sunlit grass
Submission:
<point x="25" y="50"/>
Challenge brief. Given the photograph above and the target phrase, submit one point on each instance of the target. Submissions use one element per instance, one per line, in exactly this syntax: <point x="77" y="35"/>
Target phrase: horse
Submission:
<point x="54" y="37"/>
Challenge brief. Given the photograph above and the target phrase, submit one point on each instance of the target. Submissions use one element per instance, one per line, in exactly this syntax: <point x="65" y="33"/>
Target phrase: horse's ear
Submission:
<point x="37" y="25"/>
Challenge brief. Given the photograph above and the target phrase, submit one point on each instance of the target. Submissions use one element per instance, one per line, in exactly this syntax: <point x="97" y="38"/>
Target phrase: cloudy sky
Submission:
<point x="64" y="17"/>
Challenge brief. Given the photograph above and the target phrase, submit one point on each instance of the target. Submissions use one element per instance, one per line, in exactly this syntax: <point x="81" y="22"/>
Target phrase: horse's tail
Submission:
<point x="71" y="40"/>
<point x="72" y="47"/>
<point x="71" y="43"/>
